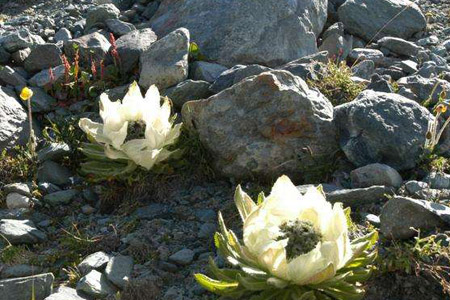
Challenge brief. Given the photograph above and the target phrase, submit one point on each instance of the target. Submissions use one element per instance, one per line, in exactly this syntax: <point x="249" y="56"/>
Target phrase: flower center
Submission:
<point x="136" y="130"/>
<point x="302" y="237"/>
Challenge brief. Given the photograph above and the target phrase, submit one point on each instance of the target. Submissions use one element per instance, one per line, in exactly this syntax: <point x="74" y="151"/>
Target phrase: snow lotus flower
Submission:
<point x="295" y="245"/>
<point x="136" y="129"/>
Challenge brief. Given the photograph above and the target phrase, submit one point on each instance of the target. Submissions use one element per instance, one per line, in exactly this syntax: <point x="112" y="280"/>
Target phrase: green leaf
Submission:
<point x="253" y="284"/>
<point x="216" y="286"/>
<point x="94" y="151"/>
<point x="268" y="295"/>
<point x="361" y="261"/>
<point x="103" y="170"/>
<point x="229" y="275"/>
<point x="348" y="213"/>
<point x="307" y="296"/>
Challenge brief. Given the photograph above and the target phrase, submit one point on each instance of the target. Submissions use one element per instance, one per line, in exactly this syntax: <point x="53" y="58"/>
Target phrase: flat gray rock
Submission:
<point x="95" y="261"/>
<point x="118" y="27"/>
<point x="19" y="271"/>
<point x="234" y="75"/>
<point x="53" y="151"/>
<point x="182" y="257"/>
<point x="374" y="19"/>
<point x="400" y="214"/>
<point x="21" y="288"/>
<point x="165" y="62"/>
<point x="9" y="76"/>
<point x="375" y="174"/>
<point x="206" y="71"/>
<point x="20" y="188"/>
<point x="95" y="284"/>
<point x="118" y="270"/>
<point x="60" y="197"/>
<point x="21" y="232"/>
<point x="188" y="90"/>
<point x="399" y="46"/>
<point x="360" y="196"/>
<point x="53" y="172"/>
<point x="16" y="200"/>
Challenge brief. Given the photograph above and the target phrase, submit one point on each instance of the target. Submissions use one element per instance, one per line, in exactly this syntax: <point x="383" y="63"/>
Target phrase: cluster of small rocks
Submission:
<point x="256" y="115"/>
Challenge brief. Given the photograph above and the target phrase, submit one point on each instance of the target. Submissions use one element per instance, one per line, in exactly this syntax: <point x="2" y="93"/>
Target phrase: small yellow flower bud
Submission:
<point x="26" y="94"/>
<point x="441" y="108"/>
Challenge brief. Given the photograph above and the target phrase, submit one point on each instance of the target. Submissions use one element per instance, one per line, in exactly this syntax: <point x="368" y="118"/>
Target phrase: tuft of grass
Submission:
<point x="73" y="274"/>
<point x="16" y="165"/>
<point x="15" y="254"/>
<point x="336" y="84"/>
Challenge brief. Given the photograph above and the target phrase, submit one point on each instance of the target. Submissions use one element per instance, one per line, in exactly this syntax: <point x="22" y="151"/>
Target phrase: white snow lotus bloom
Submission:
<point x="295" y="245"/>
<point x="136" y="129"/>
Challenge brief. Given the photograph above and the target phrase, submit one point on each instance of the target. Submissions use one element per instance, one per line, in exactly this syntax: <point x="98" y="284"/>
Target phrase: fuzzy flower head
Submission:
<point x="299" y="238"/>
<point x="137" y="128"/>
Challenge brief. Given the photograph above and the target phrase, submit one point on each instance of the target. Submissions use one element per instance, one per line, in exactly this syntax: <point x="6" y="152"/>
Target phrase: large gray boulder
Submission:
<point x="131" y="45"/>
<point x="165" y="62"/>
<point x="94" y="261"/>
<point x="232" y="32"/>
<point x="382" y="127"/>
<point x="98" y="14"/>
<point x="13" y="121"/>
<point x="19" y="40"/>
<point x="400" y="214"/>
<point x="376" y="19"/>
<point x="95" y="284"/>
<point x="119" y="269"/>
<point x="264" y="126"/>
<point x="22" y="288"/>
<point x="90" y="46"/>
<point x="43" y="57"/>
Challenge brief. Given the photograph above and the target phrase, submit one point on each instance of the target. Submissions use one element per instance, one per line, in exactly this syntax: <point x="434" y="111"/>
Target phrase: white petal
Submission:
<point x="133" y="103"/>
<point x="153" y="98"/>
<point x="107" y="107"/>
<point x="116" y="135"/>
<point x="285" y="201"/>
<point x="274" y="260"/>
<point x="95" y="130"/>
<point x="302" y="267"/>
<point x="112" y="153"/>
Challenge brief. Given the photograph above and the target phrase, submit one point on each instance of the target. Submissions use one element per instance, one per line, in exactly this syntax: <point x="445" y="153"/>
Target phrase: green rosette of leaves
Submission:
<point x="295" y="246"/>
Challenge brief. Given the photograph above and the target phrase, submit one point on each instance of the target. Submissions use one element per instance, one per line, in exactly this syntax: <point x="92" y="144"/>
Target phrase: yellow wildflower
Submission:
<point x="26" y="94"/>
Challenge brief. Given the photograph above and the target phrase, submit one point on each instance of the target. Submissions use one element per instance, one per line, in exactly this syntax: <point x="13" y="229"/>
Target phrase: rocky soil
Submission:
<point x="339" y="93"/>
